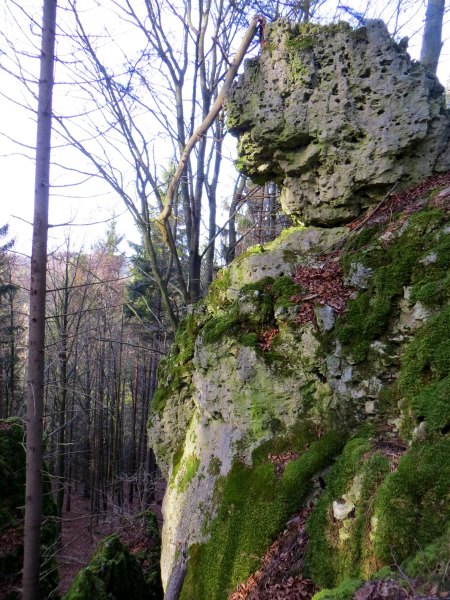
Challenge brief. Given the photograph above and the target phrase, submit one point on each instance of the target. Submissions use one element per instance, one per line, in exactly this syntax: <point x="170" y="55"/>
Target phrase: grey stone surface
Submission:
<point x="337" y="117"/>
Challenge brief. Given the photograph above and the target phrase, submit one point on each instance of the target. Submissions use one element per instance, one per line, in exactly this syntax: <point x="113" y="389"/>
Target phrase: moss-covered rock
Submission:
<point x="333" y="329"/>
<point x="254" y="505"/>
<point x="396" y="274"/>
<point x="113" y="573"/>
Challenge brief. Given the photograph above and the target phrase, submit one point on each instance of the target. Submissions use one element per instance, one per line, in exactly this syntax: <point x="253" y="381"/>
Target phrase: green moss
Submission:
<point x="412" y="505"/>
<point x="216" y="327"/>
<point x="328" y="563"/>
<point x="428" y="568"/>
<point x="249" y="496"/>
<point x="174" y="371"/>
<point x="430" y="563"/>
<point x="396" y="512"/>
<point x="112" y="573"/>
<point x="189" y="470"/>
<point x="424" y="378"/>
<point x="185" y="339"/>
<point x="217" y="291"/>
<point x="150" y="555"/>
<point x="304" y="37"/>
<point x="345" y="591"/>
<point x="283" y="237"/>
<point x="159" y="399"/>
<point x="394" y="267"/>
<point x="249" y="340"/>
<point x="176" y="459"/>
<point x="283" y="289"/>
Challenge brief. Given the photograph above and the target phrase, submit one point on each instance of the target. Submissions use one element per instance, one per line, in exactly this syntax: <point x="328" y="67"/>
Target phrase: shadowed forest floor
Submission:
<point x="81" y="534"/>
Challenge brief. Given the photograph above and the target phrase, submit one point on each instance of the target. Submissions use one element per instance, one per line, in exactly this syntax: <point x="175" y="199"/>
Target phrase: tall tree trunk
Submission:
<point x="12" y="352"/>
<point x="432" y="35"/>
<point x="36" y="339"/>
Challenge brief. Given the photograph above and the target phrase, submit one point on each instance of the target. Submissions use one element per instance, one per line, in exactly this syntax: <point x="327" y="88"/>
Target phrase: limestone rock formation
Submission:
<point x="337" y="117"/>
<point x="265" y="368"/>
<point x="313" y="379"/>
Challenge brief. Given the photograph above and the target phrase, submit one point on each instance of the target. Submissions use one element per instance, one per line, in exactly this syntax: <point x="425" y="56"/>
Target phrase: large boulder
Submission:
<point x="337" y="117"/>
<point x="278" y="368"/>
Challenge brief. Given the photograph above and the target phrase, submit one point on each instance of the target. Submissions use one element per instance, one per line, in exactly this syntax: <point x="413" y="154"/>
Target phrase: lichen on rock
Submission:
<point x="337" y="117"/>
<point x="329" y="346"/>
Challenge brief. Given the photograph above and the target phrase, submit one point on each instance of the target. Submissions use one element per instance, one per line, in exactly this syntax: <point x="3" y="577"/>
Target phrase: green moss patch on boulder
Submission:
<point x="388" y="514"/>
<point x="112" y="573"/>
<point x="395" y="264"/>
<point x="253" y="506"/>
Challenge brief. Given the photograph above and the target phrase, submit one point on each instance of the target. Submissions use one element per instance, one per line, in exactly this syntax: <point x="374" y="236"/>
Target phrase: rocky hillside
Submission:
<point x="302" y="417"/>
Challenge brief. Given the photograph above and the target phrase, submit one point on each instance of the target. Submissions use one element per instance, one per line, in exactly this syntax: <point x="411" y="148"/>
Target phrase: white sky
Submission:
<point x="92" y="202"/>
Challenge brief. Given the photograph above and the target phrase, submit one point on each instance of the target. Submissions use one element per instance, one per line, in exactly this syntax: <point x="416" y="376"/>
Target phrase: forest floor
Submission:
<point x="80" y="534"/>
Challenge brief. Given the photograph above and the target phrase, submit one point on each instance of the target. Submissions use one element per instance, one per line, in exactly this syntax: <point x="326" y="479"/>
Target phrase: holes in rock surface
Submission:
<point x="367" y="73"/>
<point x="380" y="111"/>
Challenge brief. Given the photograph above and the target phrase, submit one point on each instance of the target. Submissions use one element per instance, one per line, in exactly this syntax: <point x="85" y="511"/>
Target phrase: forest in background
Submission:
<point x="110" y="318"/>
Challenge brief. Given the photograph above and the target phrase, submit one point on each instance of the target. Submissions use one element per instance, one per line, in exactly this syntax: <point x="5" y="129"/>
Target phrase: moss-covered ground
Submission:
<point x="404" y="508"/>
<point x="175" y="369"/>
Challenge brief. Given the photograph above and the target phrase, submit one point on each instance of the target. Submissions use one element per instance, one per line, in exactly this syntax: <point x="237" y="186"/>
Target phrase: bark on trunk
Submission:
<point x="36" y="340"/>
<point x="432" y="35"/>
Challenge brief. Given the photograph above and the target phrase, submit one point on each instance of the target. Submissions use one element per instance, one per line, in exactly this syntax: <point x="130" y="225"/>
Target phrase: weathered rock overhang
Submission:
<point x="337" y="117"/>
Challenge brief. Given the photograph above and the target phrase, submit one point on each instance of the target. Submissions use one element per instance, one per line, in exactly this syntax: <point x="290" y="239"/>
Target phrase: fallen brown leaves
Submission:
<point x="388" y="589"/>
<point x="392" y="448"/>
<point x="265" y="338"/>
<point x="281" y="460"/>
<point x="279" y="576"/>
<point x="321" y="284"/>
<point x="407" y="202"/>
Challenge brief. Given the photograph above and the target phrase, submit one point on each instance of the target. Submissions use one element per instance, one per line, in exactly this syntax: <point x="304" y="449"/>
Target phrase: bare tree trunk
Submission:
<point x="432" y="35"/>
<point x="36" y="340"/>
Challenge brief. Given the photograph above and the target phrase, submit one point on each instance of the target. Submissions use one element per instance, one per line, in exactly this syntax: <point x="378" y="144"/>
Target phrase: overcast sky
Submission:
<point x="87" y="206"/>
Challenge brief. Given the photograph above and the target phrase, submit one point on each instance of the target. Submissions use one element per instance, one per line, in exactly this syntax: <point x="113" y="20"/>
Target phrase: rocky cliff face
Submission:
<point x="337" y="117"/>
<point x="316" y="371"/>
